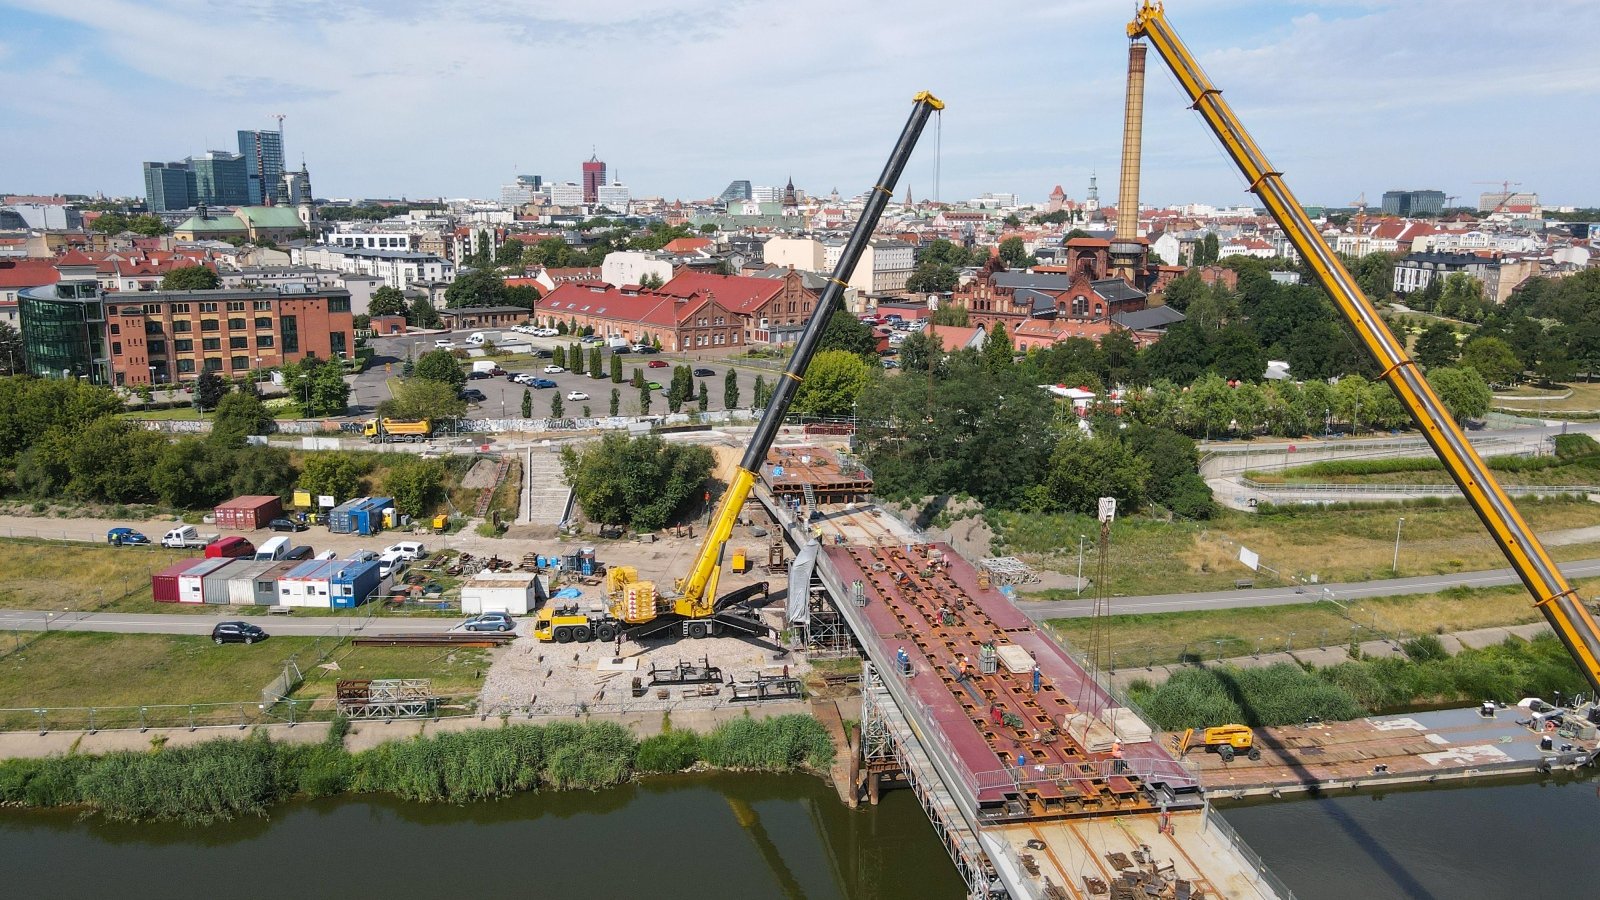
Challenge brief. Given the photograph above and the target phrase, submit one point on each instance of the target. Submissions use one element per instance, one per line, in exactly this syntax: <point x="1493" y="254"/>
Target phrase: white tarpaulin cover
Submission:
<point x="799" y="607"/>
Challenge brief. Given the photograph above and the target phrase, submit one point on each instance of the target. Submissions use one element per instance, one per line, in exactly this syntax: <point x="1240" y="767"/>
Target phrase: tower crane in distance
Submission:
<point x="636" y="608"/>
<point x="1553" y="596"/>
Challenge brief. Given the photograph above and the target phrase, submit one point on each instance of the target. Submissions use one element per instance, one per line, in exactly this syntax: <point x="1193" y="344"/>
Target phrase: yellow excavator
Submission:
<point x="1553" y="596"/>
<point x="636" y="608"/>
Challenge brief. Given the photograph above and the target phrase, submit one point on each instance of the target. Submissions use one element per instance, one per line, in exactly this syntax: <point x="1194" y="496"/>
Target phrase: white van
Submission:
<point x="273" y="550"/>
<point x="327" y="554"/>
<point x="391" y="563"/>
<point x="476" y="339"/>
<point x="408" y="549"/>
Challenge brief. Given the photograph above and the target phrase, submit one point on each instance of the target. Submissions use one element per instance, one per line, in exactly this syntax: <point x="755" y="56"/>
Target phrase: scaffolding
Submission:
<point x="388" y="698"/>
<point x="827" y="635"/>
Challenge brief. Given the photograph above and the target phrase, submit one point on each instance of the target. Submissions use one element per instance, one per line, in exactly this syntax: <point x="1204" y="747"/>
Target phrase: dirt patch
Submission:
<point x="481" y="475"/>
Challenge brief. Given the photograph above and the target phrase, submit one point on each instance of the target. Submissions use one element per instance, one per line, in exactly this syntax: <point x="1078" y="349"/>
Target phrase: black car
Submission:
<point x="473" y="395"/>
<point x="300" y="552"/>
<point x="237" y="633"/>
<point x="281" y="524"/>
<point x="477" y="376"/>
<point x="647" y="350"/>
<point x="703" y="373"/>
<point x="543" y="354"/>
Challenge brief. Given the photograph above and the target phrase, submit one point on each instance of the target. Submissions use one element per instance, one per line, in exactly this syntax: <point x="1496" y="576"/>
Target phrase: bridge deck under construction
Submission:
<point x="1025" y="755"/>
<point x="829" y="476"/>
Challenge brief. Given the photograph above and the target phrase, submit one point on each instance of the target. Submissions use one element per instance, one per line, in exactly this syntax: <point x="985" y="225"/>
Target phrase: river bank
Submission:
<point x="221" y="779"/>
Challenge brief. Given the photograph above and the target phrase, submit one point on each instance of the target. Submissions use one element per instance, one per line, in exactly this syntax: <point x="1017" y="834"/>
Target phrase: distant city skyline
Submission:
<point x="1345" y="96"/>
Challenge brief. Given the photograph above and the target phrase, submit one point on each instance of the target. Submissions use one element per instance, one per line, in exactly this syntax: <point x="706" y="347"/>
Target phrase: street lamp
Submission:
<point x="1395" y="566"/>
<point x="1327" y="417"/>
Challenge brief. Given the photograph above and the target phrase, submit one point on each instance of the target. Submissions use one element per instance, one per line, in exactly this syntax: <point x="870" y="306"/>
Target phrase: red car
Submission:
<point x="658" y="364"/>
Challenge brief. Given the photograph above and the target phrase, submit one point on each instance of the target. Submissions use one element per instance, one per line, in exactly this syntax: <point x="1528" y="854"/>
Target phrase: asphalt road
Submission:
<point x="1039" y="610"/>
<point x="199" y="623"/>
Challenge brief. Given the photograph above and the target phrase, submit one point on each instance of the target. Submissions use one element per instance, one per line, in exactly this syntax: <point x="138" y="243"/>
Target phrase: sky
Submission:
<point x="454" y="98"/>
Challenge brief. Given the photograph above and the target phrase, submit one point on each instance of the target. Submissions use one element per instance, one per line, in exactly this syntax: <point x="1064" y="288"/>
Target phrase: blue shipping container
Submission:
<point x="354" y="583"/>
<point x="339" y="520"/>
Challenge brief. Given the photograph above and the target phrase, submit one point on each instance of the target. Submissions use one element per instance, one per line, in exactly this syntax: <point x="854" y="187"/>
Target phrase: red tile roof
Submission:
<point x="687" y="245"/>
<point x="735" y="293"/>
<point x="25" y="273"/>
<point x="645" y="307"/>
<point x="74" y="257"/>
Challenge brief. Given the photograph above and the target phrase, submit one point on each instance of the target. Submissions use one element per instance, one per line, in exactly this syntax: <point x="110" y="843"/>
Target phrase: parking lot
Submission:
<point x="503" y="398"/>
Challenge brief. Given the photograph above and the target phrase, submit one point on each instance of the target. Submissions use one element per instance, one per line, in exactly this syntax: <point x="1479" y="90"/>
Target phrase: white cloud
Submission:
<point x="680" y="96"/>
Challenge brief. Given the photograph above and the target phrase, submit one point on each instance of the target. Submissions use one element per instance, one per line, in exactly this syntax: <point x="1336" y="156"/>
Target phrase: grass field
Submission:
<point x="1149" y="557"/>
<point x="1210" y="634"/>
<point x="454" y="671"/>
<point x="75" y="576"/>
<point x="95" y="669"/>
<point x="1584" y="398"/>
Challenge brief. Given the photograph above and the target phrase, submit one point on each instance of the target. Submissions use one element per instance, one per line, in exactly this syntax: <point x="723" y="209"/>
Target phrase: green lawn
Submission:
<point x="96" y="669"/>
<point x="1167" y="637"/>
<point x="1149" y="557"/>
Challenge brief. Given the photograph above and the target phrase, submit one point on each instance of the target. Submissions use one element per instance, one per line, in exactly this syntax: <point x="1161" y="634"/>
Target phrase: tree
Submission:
<point x="1493" y="359"/>
<point x="637" y="378"/>
<point x="13" y="353"/>
<point x="703" y="398"/>
<point x="1180" y="356"/>
<point x="616" y="401"/>
<point x="1014" y="253"/>
<point x="1238" y="354"/>
<point x="423" y="315"/>
<point x="559" y="356"/>
<point x="556" y="409"/>
<point x="475" y="287"/>
<point x="651" y="281"/>
<point x="239" y="414"/>
<point x="1011" y="221"/>
<point x="730" y="389"/>
<point x="575" y="359"/>
<point x="1120" y="354"/>
<point x="760" y="393"/>
<point x="527" y="403"/>
<point x="833" y="383"/>
<point x="509" y="253"/>
<point x="917" y="352"/>
<point x="208" y="390"/>
<point x="1207" y="251"/>
<point x="1436" y="346"/>
<point x="424" y="398"/>
<point x="1169" y="456"/>
<point x="679" y="388"/>
<point x="1182" y="291"/>
<point x="441" y="366"/>
<point x="643" y="482"/>
<point x="522" y="296"/>
<point x="1084" y="469"/>
<point x="932" y="278"/>
<point x="997" y="349"/>
<point x="616" y="369"/>
<point x="596" y="364"/>
<point x="1462" y="390"/>
<point x="847" y="333"/>
<point x="190" y="278"/>
<point x="1349" y="396"/>
<point x="949" y="314"/>
<point x="644" y="399"/>
<point x="387" y="301"/>
<point x="335" y="475"/>
<point x="416" y="485"/>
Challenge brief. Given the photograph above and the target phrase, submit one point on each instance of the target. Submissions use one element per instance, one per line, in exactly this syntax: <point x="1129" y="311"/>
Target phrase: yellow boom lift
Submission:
<point x="636" y="608"/>
<point x="1554" y="597"/>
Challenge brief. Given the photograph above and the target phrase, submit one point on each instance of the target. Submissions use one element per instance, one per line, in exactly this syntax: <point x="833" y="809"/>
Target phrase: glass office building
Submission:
<point x="63" y="329"/>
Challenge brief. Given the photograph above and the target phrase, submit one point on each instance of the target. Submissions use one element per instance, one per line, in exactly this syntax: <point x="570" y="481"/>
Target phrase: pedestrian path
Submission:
<point x="544" y="488"/>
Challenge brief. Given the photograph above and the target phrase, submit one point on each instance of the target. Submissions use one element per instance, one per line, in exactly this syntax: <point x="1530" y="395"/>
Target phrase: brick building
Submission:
<point x="697" y="322"/>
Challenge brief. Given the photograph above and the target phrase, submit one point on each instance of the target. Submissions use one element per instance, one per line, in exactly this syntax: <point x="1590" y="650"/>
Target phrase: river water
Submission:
<point x="733" y="837"/>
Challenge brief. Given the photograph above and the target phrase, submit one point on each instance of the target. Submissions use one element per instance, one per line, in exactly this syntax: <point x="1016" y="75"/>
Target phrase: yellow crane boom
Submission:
<point x="1554" y="597"/>
<point x="697" y="590"/>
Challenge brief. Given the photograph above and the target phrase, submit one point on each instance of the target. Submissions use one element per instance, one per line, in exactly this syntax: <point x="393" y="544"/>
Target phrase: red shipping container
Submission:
<point x="164" y="584"/>
<point x="248" y="513"/>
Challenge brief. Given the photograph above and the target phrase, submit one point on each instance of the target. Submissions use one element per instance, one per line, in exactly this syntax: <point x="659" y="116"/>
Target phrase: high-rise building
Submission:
<point x="168" y="186"/>
<point x="263" y="160"/>
<point x="614" y="197"/>
<point x="735" y="191"/>
<point x="220" y="179"/>
<point x="594" y="177"/>
<point x="524" y="190"/>
<point x="568" y="194"/>
<point x="1413" y="203"/>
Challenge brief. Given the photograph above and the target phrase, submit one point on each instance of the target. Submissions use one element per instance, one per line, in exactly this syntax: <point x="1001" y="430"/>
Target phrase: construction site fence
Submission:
<point x="1432" y="490"/>
<point x="1232" y="459"/>
<point x="1264" y="875"/>
<point x="193" y="716"/>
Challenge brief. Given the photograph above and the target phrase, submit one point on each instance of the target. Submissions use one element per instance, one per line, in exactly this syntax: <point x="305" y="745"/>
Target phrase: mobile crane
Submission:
<point x="635" y="608"/>
<point x="1554" y="597"/>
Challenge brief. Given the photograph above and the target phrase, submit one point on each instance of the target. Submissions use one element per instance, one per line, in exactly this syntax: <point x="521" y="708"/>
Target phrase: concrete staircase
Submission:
<point x="544" y="489"/>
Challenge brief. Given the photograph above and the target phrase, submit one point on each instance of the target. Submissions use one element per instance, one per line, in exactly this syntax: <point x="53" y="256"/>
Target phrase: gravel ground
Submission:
<point x="563" y="677"/>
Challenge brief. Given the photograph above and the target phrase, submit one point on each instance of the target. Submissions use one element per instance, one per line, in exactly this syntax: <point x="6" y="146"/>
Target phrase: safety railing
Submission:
<point x="1264" y="875"/>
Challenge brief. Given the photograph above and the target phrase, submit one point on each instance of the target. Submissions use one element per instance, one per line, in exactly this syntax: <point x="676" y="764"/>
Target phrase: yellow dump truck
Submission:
<point x="389" y="431"/>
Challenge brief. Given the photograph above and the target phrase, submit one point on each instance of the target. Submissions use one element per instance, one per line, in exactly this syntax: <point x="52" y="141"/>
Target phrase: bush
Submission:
<point x="781" y="742"/>
<point x="670" y="751"/>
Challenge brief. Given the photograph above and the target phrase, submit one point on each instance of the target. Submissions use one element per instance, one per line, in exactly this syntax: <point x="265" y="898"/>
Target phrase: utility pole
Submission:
<point x="1395" y="566"/>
